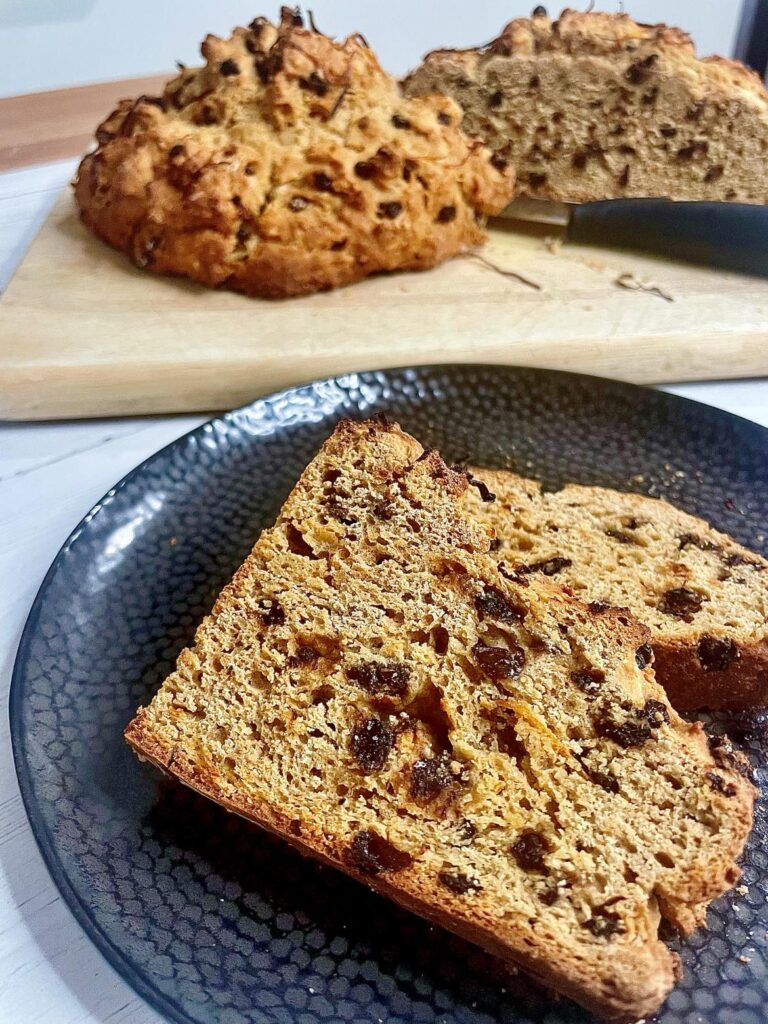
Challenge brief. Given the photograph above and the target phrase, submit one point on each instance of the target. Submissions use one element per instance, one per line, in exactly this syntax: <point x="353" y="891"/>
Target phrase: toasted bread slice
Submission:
<point x="595" y="106"/>
<point x="486" y="752"/>
<point x="703" y="596"/>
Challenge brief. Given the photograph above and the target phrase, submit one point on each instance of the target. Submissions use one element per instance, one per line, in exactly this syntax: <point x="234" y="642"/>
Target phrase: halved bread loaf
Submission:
<point x="703" y="596"/>
<point x="485" y="751"/>
<point x="595" y="106"/>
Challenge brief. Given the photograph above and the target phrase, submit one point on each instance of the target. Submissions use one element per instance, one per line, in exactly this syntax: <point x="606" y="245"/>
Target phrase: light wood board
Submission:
<point x="42" y="126"/>
<point x="82" y="333"/>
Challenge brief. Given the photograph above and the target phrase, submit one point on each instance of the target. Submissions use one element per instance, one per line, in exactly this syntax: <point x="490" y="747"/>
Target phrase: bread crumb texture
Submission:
<point x="703" y="596"/>
<point x="595" y="106"/>
<point x="288" y="163"/>
<point x="484" y="749"/>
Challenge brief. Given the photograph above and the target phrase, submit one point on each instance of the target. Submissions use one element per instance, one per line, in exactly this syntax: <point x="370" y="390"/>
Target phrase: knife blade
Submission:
<point x="730" y="236"/>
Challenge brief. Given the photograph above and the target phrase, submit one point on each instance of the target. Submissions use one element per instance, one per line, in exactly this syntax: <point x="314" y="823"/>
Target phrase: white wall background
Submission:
<point x="47" y="44"/>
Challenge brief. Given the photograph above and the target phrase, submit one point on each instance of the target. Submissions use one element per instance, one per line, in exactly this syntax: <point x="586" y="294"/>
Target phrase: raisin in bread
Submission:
<point x="288" y="163"/>
<point x="594" y="106"/>
<point x="485" y="751"/>
<point x="703" y="596"/>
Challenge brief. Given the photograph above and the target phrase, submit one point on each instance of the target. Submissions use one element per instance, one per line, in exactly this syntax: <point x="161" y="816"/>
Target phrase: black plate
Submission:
<point x="204" y="915"/>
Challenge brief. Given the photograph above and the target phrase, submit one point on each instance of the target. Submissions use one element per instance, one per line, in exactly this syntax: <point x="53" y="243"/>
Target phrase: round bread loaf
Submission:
<point x="289" y="163"/>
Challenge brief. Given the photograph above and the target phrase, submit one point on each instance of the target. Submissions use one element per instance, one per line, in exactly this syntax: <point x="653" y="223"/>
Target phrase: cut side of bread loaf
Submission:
<point x="485" y="750"/>
<point x="703" y="596"/>
<point x="595" y="106"/>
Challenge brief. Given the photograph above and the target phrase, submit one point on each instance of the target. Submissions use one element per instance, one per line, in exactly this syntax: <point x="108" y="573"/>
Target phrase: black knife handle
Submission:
<point x="732" y="236"/>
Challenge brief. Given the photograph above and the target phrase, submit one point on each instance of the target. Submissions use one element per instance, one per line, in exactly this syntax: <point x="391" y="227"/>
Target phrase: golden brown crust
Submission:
<point x="596" y="106"/>
<point x="287" y="164"/>
<point x="369" y="676"/>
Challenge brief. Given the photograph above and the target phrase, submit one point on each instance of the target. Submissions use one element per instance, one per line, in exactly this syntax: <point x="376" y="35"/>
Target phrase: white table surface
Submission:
<point x="50" y="476"/>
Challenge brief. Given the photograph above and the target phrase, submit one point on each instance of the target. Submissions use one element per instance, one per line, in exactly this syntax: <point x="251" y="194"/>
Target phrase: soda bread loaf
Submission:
<point x="487" y="751"/>
<point x="702" y="595"/>
<point x="594" y="106"/>
<point x="286" y="164"/>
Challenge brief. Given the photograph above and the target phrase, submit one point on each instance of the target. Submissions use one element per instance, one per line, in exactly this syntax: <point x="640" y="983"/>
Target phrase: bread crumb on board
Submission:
<point x="504" y="271"/>
<point x="633" y="284"/>
<point x="626" y="279"/>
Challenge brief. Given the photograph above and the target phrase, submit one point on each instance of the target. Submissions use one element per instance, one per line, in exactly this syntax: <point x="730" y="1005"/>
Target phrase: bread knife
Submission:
<point x="730" y="236"/>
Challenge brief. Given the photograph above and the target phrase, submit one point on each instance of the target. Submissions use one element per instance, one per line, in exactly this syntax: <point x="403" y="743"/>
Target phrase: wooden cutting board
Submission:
<point x="85" y="334"/>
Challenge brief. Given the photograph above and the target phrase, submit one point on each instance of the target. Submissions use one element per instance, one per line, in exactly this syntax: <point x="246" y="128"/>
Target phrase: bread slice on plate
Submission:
<point x="703" y="596"/>
<point x="595" y="106"/>
<point x="287" y="164"/>
<point x="486" y="751"/>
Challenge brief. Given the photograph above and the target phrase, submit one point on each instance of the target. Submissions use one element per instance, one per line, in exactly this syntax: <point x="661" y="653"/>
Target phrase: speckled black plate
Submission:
<point x="203" y="914"/>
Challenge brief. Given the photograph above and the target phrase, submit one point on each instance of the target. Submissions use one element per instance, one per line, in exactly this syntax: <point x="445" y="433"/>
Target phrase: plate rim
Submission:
<point x="153" y="996"/>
